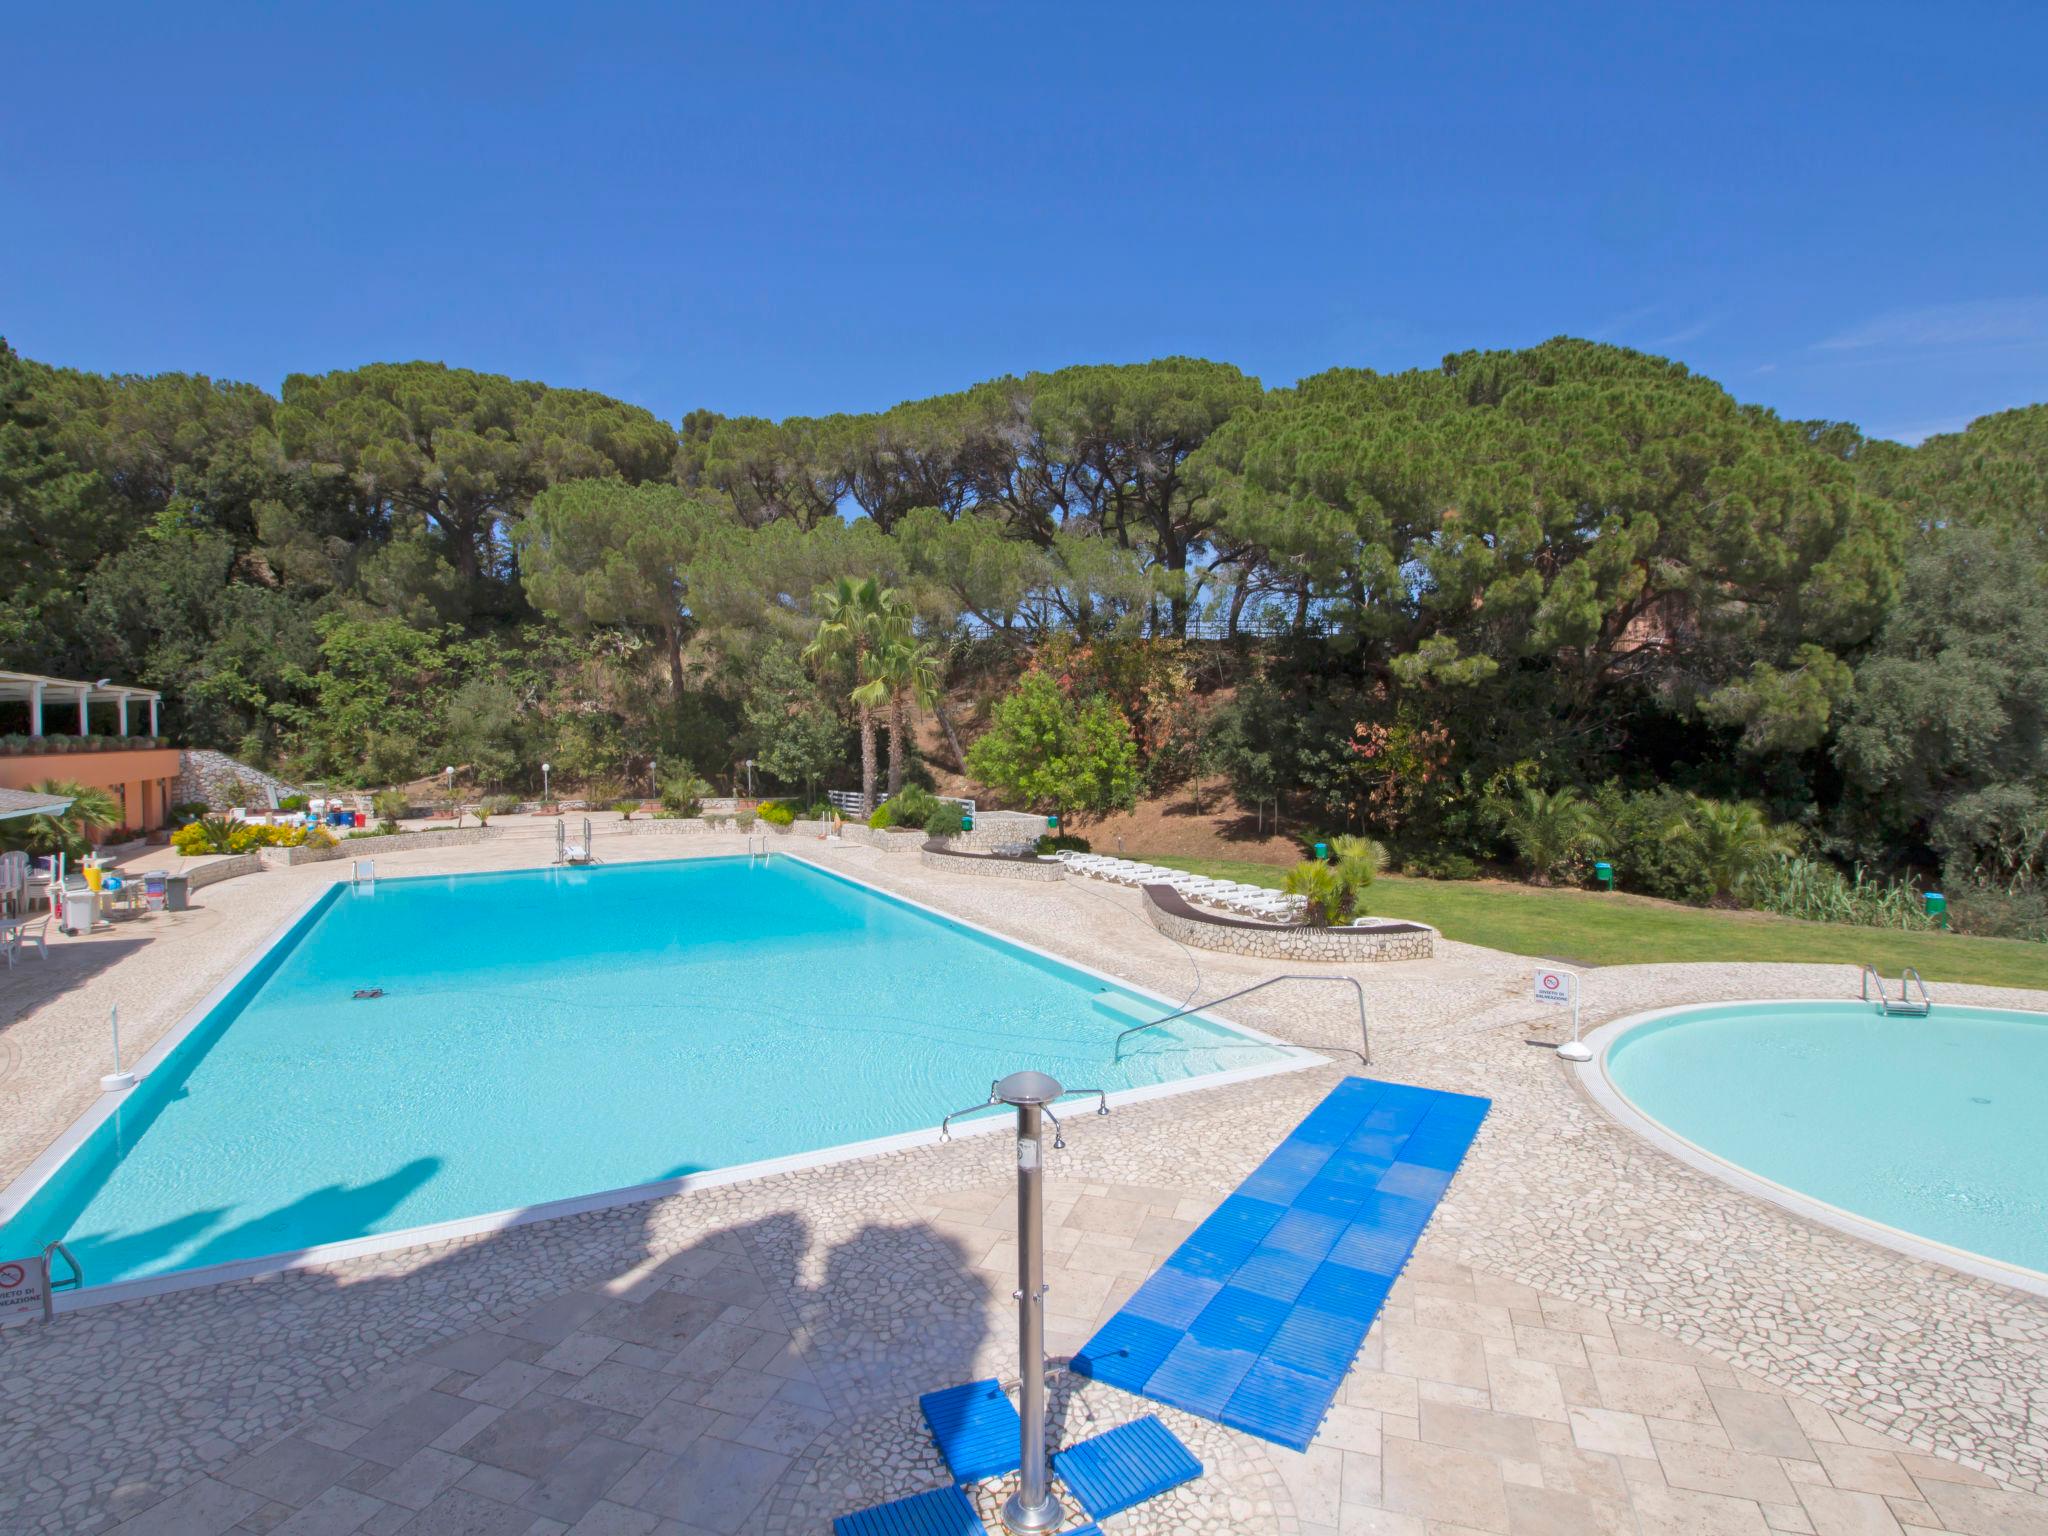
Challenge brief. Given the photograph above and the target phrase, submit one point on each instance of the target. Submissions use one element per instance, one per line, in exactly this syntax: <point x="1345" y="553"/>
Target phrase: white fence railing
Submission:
<point x="847" y="801"/>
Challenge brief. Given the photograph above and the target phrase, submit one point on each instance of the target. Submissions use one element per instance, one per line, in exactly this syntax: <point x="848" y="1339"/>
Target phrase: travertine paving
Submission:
<point x="1592" y="1337"/>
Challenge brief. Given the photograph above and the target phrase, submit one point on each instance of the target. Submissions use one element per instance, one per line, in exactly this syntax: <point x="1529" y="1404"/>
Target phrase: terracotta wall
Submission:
<point x="140" y="780"/>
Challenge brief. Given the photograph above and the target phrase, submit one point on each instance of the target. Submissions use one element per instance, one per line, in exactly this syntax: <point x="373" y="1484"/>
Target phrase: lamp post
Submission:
<point x="543" y="783"/>
<point x="750" y="778"/>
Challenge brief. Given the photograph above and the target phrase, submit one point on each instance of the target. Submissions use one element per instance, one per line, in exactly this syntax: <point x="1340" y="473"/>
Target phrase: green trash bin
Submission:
<point x="1604" y="873"/>
<point x="1937" y="907"/>
<point x="1323" y="852"/>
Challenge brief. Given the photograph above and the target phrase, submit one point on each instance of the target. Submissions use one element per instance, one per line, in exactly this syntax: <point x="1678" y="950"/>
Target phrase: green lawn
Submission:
<point x="1599" y="929"/>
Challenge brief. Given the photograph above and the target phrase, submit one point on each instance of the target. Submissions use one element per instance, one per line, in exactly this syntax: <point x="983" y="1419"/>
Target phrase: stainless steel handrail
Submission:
<point x="1903" y="1003"/>
<point x="1364" y="1035"/>
<point x="1926" y="1002"/>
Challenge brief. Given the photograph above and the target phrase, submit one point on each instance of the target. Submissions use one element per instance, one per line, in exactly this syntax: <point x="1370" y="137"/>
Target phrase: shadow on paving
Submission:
<point x="34" y="982"/>
<point x="667" y="1361"/>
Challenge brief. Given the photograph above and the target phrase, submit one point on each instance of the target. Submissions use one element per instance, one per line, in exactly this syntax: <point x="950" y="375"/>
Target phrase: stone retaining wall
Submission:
<point x="211" y="776"/>
<point x="1001" y="832"/>
<point x="990" y="867"/>
<point x="1284" y="941"/>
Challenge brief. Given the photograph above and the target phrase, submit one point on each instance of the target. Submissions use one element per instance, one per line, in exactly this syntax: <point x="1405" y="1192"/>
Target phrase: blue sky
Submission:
<point x="1836" y="210"/>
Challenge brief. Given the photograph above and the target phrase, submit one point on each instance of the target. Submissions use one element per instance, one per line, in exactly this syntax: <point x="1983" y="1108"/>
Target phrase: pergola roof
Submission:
<point x="27" y="802"/>
<point x="19" y="687"/>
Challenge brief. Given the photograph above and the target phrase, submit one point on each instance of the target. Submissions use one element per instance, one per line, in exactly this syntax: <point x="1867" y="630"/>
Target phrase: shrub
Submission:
<point x="881" y="816"/>
<point x="2013" y="910"/>
<point x="778" y="813"/>
<point x="944" y="821"/>
<point x="914" y="804"/>
<point x="744" y="820"/>
<point x="1440" y="866"/>
<point x="1820" y="893"/>
<point x="188" y="810"/>
<point x="1549" y="830"/>
<point x="499" y="805"/>
<point x="192" y="839"/>
<point x="626" y="807"/>
<point x="1735" y="840"/>
<point x="291" y="802"/>
<point x="1636" y="835"/>
<point x="1061" y="843"/>
<point x="684" y="794"/>
<point x="390" y="805"/>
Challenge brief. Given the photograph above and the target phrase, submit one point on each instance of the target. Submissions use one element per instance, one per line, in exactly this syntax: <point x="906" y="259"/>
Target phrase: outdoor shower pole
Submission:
<point x="1031" y="1508"/>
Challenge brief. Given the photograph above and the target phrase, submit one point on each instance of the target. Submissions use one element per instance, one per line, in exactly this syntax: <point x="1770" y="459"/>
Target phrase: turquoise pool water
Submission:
<point x="550" y="1034"/>
<point x="1937" y="1126"/>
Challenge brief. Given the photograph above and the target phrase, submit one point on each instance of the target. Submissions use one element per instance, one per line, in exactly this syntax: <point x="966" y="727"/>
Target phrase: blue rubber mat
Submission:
<point x="976" y="1428"/>
<point x="1130" y="1464"/>
<point x="942" y="1512"/>
<point x="1256" y="1318"/>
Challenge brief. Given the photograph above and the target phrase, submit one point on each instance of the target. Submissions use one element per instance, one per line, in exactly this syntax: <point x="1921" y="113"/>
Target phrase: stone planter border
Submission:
<point x="370" y="847"/>
<point x="989" y="866"/>
<point x="1173" y="916"/>
<point x="225" y="867"/>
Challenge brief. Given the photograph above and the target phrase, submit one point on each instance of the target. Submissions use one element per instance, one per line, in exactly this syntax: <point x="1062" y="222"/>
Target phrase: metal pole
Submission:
<point x="1032" y="1508"/>
<point x="118" y="1080"/>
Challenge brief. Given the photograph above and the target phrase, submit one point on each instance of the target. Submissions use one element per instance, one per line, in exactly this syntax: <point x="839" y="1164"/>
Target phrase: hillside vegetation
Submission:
<point x="1518" y="610"/>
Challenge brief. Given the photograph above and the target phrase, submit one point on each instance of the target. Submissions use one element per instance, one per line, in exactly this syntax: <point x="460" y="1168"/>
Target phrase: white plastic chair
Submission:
<point x="27" y="932"/>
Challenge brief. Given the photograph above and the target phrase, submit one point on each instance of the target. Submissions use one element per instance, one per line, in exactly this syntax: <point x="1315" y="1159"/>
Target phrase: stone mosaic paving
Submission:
<point x="1593" y="1337"/>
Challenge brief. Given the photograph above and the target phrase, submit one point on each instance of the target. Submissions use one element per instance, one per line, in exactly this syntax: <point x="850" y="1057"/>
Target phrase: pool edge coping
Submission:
<point x="18" y="1192"/>
<point x="1593" y="1077"/>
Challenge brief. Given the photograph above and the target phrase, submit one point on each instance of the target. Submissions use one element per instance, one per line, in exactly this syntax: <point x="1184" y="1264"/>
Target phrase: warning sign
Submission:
<point x="23" y="1290"/>
<point x="1555" y="986"/>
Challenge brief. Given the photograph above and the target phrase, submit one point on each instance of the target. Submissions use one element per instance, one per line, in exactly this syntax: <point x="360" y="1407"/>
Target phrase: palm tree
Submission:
<point x="852" y="616"/>
<point x="1547" y="829"/>
<point x="1735" y="840"/>
<point x="1358" y="860"/>
<point x="92" y="810"/>
<point x="912" y="668"/>
<point x="1322" y="892"/>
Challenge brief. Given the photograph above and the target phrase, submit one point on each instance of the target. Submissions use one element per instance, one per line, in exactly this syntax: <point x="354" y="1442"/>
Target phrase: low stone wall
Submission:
<point x="889" y="840"/>
<point x="648" y="826"/>
<point x="213" y="871"/>
<point x="370" y="847"/>
<point x="990" y="866"/>
<point x="1175" y="918"/>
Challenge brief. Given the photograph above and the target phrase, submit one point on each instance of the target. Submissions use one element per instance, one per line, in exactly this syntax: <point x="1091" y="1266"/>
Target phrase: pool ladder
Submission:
<point x="757" y="838"/>
<point x="1905" y="1004"/>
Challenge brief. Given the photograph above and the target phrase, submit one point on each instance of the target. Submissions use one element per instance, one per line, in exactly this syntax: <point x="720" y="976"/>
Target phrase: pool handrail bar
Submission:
<point x="1364" y="1035"/>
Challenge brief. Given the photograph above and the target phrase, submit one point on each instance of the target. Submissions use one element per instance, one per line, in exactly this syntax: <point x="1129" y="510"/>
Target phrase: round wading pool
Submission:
<point x="1928" y="1133"/>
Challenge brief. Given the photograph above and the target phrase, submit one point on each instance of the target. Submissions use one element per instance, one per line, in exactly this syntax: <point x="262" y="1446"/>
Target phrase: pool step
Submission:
<point x="1126" y="1011"/>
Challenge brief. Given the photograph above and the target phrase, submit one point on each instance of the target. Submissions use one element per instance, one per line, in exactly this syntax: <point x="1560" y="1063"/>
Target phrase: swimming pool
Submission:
<point x="1930" y="1128"/>
<point x="548" y="1035"/>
